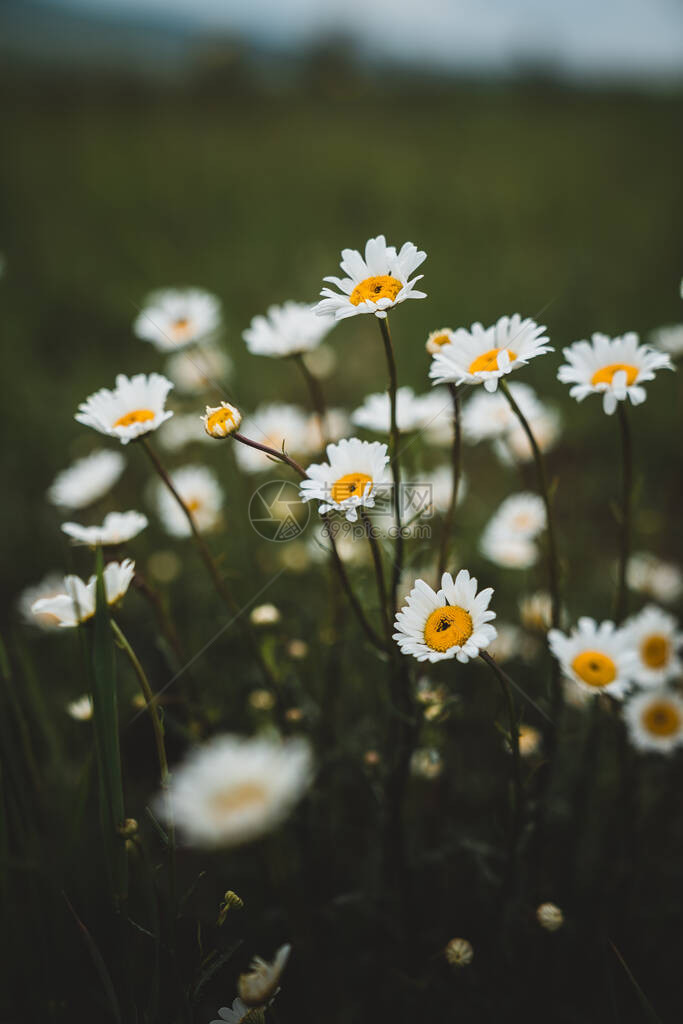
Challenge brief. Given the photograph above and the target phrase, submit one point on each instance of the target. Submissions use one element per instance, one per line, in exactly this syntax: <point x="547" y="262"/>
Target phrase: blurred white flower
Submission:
<point x="87" y="479"/>
<point x="375" y="412"/>
<point x="199" y="490"/>
<point x="650" y="575"/>
<point x="452" y="622"/>
<point x="81" y="709"/>
<point x="483" y="355"/>
<point x="76" y="602"/>
<point x="669" y="339"/>
<point x="375" y="283"/>
<point x="489" y="416"/>
<point x="514" y="445"/>
<point x="275" y="425"/>
<point x="459" y="952"/>
<point x="549" y="916"/>
<point x="240" y="1013"/>
<point x="232" y="790"/>
<point x="535" y="611"/>
<point x="349" y="480"/>
<point x="265" y="615"/>
<point x="654" y="720"/>
<point x="287" y="330"/>
<point x="135" y="407"/>
<point x="437" y="486"/>
<point x="260" y="983"/>
<point x="117" y="528"/>
<point x="426" y="763"/>
<point x="202" y="369"/>
<point x="173" y="318"/>
<point x="182" y="430"/>
<point x="656" y="639"/>
<point x="507" y="643"/>
<point x="437" y="339"/>
<point x="51" y="586"/>
<point x="508" y="538"/>
<point x="614" y="367"/>
<point x="598" y="658"/>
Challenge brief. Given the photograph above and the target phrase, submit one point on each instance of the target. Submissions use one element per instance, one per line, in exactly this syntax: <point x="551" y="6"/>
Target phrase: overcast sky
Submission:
<point x="612" y="37"/>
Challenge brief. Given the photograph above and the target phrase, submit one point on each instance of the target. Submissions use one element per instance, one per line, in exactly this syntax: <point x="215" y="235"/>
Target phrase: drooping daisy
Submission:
<point x="49" y="587"/>
<point x="616" y="368"/>
<point x="651" y="575"/>
<point x="81" y="709"/>
<point x="135" y="407"/>
<point x="196" y="371"/>
<point x="275" y="425"/>
<point x="488" y="416"/>
<point x="598" y="658"/>
<point x="657" y="639"/>
<point x="232" y="789"/>
<point x="87" y="480"/>
<point x="260" y="983"/>
<point x="449" y="623"/>
<point x="117" y="528"/>
<point x="514" y="445"/>
<point x="374" y="284"/>
<point x="173" y="318"/>
<point x="76" y="602"/>
<point x="655" y="720"/>
<point x="437" y="339"/>
<point x="375" y="412"/>
<point x="349" y="480"/>
<point x="221" y="420"/>
<point x="287" y="330"/>
<point x="484" y="354"/>
<point x="669" y="339"/>
<point x="199" y="489"/>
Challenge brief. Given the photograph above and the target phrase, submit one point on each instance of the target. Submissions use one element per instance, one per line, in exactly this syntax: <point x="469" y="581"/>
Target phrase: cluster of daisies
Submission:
<point x="234" y="789"/>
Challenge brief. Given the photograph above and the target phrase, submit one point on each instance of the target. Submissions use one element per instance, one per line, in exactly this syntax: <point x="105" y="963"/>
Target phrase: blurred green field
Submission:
<point x="561" y="205"/>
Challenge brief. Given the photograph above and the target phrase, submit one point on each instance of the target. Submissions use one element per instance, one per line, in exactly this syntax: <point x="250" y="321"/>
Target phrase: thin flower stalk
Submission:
<point x="517" y="799"/>
<point x="625" y="511"/>
<point x="316" y="395"/>
<point x="394" y="438"/>
<point x="456" y="463"/>
<point x="379" y="573"/>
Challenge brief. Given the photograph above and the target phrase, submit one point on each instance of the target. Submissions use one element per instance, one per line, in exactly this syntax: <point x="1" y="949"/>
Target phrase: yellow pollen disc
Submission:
<point x="237" y="798"/>
<point x="374" y="288"/>
<point x="448" y="627"/>
<point x="220" y="418"/>
<point x="352" y="485"/>
<point x="595" y="668"/>
<point x="489" y="360"/>
<point x="606" y="374"/>
<point x="655" y="650"/>
<point x="441" y="339"/>
<point x="193" y="504"/>
<point x="181" y="324"/>
<point x="661" y="719"/>
<point x="136" y="416"/>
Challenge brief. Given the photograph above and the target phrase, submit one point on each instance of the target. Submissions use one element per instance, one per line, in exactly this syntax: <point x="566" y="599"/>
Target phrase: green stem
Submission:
<point x="621" y="600"/>
<point x="514" y="743"/>
<point x="394" y="437"/>
<point x="379" y="573"/>
<point x="456" y="460"/>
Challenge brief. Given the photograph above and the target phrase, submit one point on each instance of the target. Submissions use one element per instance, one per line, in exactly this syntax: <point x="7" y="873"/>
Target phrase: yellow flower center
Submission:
<point x="181" y="325"/>
<point x="236" y="798"/>
<point x="136" y="416"/>
<point x="661" y="718"/>
<point x="193" y="504"/>
<point x="606" y="373"/>
<point x="450" y="626"/>
<point x="351" y="485"/>
<point x="595" y="668"/>
<point x="655" y="650"/>
<point x="222" y="418"/>
<point x="441" y="339"/>
<point x="489" y="360"/>
<point x="372" y="289"/>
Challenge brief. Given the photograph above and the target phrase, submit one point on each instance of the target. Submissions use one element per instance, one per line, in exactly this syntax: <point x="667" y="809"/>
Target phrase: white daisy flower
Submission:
<point x="349" y="480"/>
<point x="240" y="1013"/>
<point x="598" y="658"/>
<point x="199" y="370"/>
<point x="172" y="319"/>
<point x="616" y="368"/>
<point x="508" y="537"/>
<point x="199" y="489"/>
<point x="261" y="982"/>
<point x="182" y="430"/>
<point x="374" y="284"/>
<point x="232" y="789"/>
<point x="654" y="720"/>
<point x="449" y="623"/>
<point x="135" y="407"/>
<point x="514" y="446"/>
<point x="650" y="575"/>
<point x="656" y="638"/>
<point x="487" y="416"/>
<point x="117" y="528"/>
<point x="437" y="339"/>
<point x="76" y="602"/>
<point x="275" y="425"/>
<point x="81" y="709"/>
<point x="287" y="330"/>
<point x="484" y="354"/>
<point x="87" y="480"/>
<point x="669" y="339"/>
<point x="49" y="587"/>
<point x="375" y="412"/>
<point x="221" y="420"/>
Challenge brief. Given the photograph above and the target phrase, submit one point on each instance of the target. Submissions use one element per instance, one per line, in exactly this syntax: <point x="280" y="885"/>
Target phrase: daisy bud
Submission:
<point x="261" y="982"/>
<point x="230" y="901"/>
<point x="550" y="917"/>
<point x="459" y="952"/>
<point x="128" y="828"/>
<point x="221" y="420"/>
